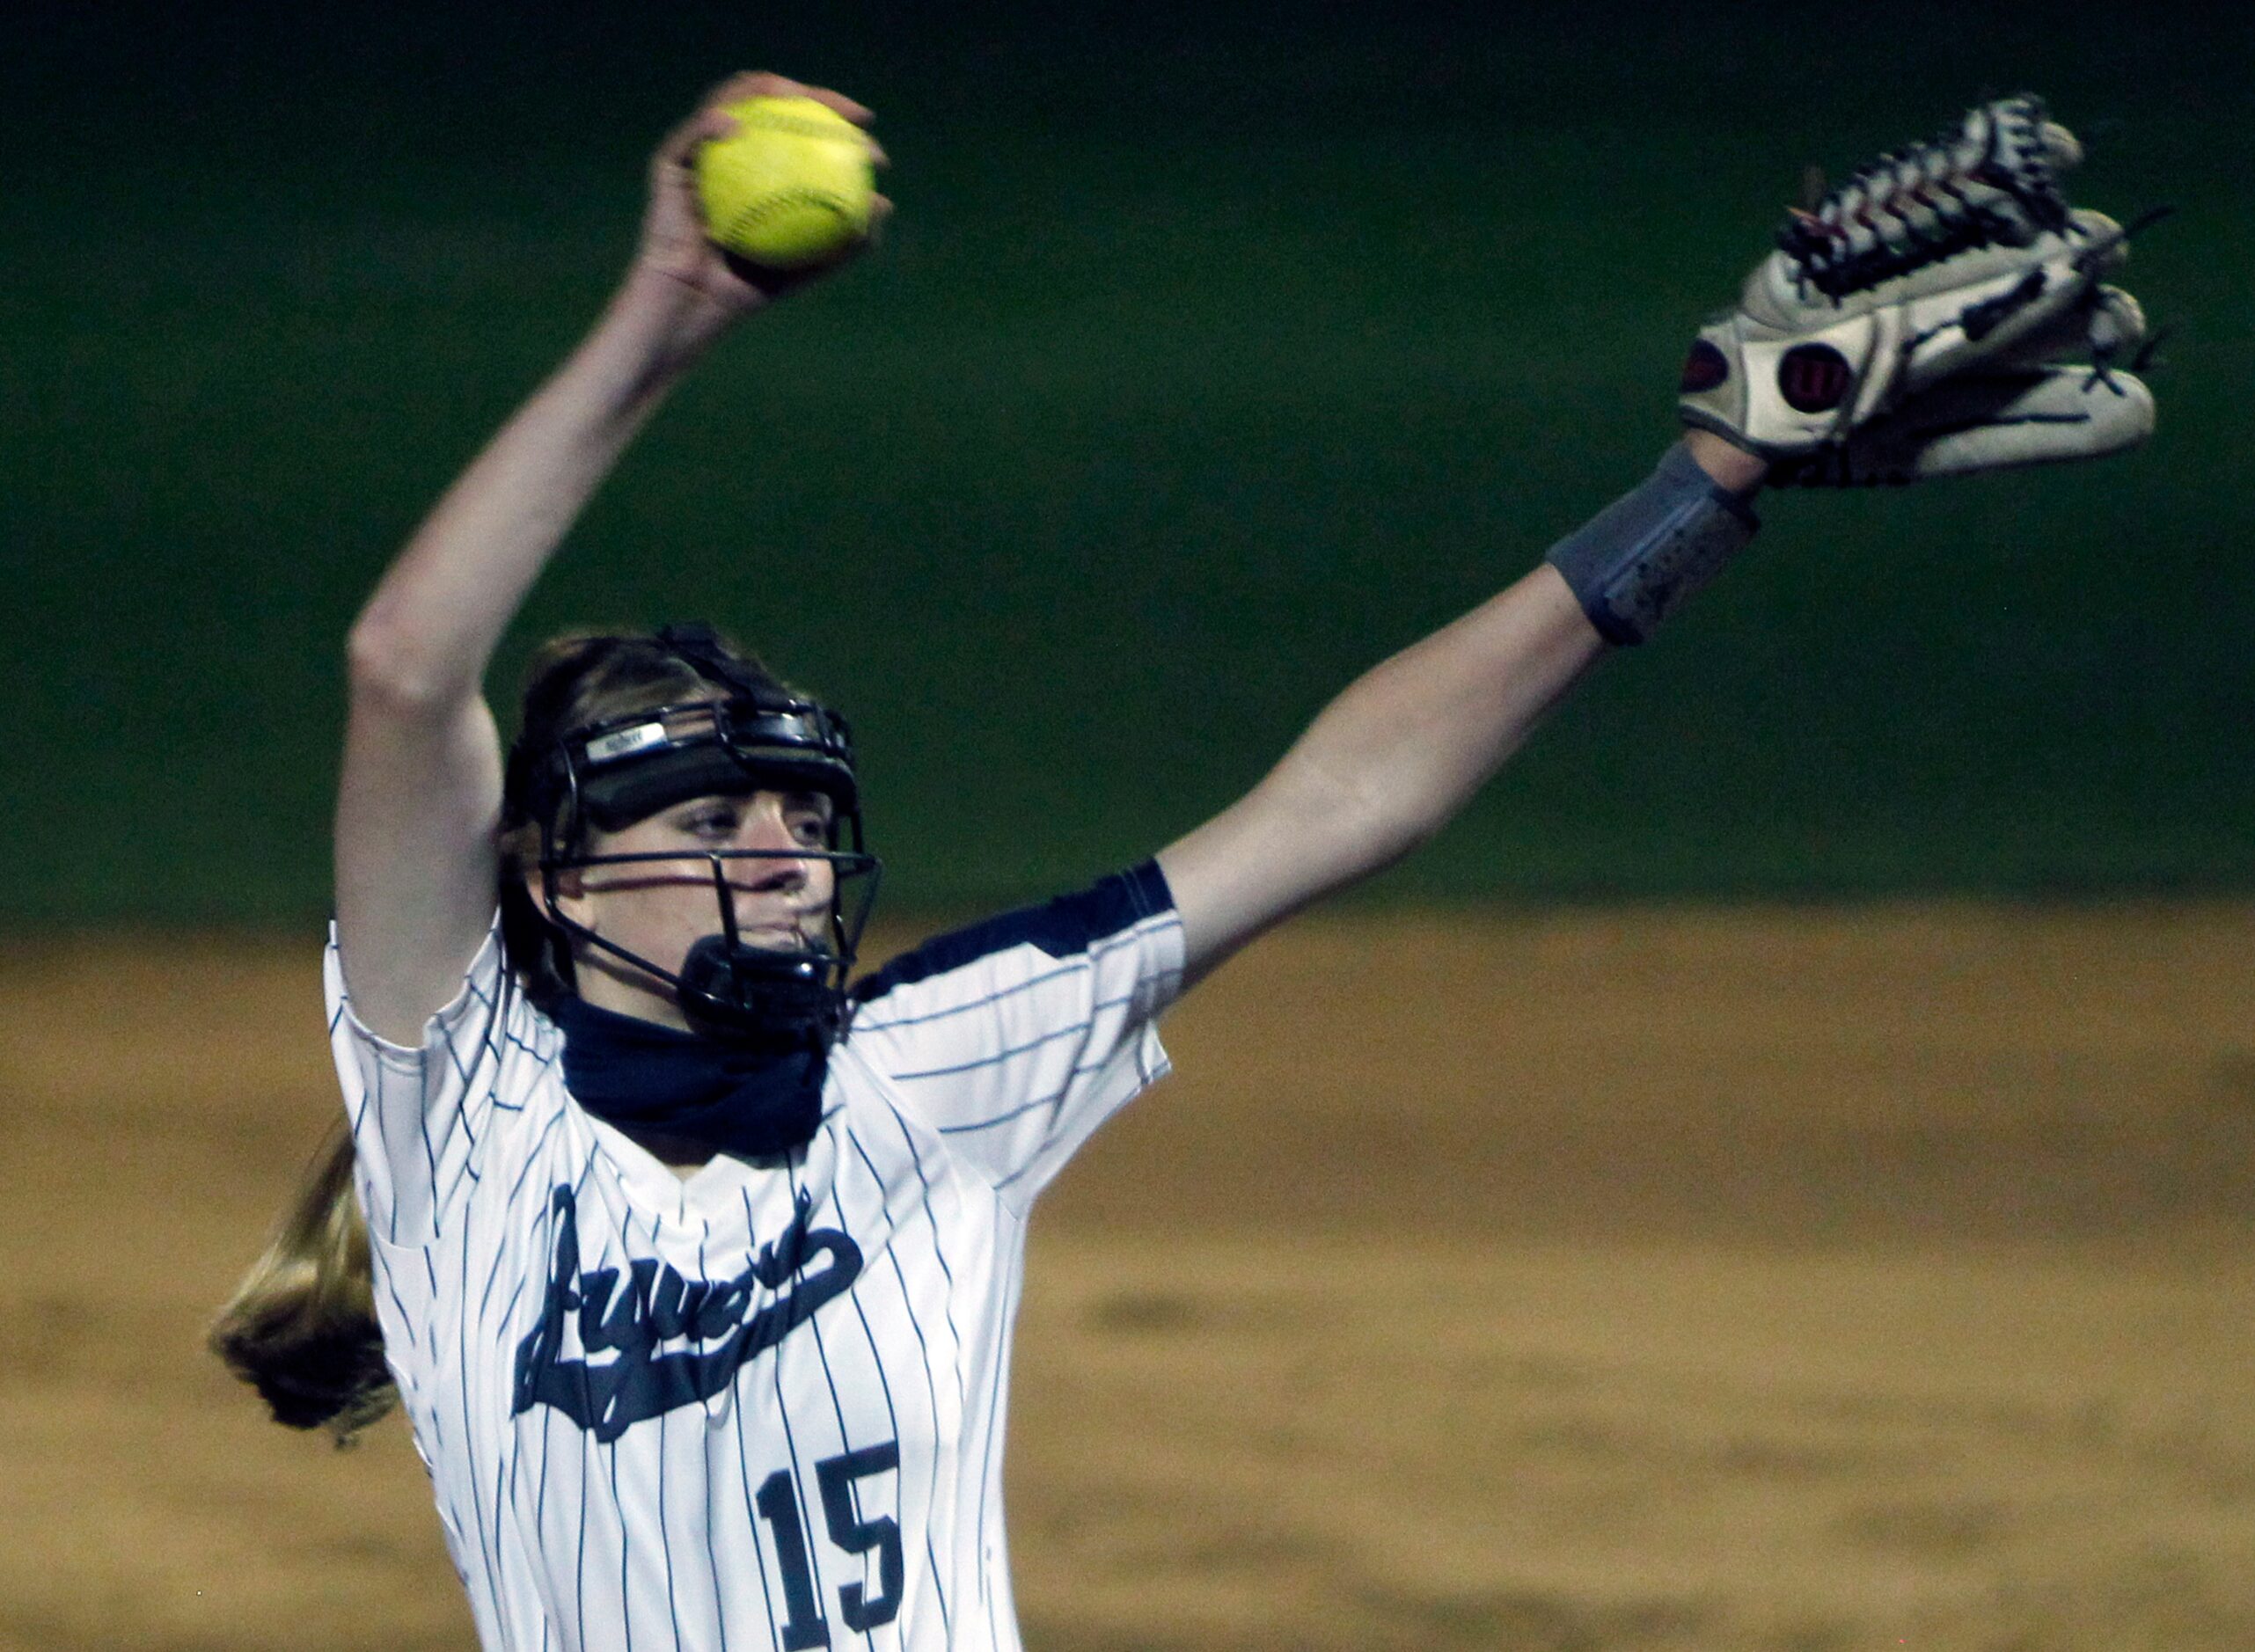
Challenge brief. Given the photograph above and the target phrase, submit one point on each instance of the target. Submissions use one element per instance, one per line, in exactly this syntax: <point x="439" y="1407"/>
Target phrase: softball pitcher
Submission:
<point x="695" y="1259"/>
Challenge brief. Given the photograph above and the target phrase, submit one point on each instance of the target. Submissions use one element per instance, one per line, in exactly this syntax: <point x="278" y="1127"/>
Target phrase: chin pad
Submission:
<point x="763" y="999"/>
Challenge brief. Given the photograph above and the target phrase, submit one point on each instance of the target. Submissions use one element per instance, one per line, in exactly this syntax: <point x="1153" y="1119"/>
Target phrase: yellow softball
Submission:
<point x="790" y="187"/>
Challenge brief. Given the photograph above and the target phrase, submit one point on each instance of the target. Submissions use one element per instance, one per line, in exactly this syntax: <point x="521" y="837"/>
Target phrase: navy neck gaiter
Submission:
<point x="648" y="1078"/>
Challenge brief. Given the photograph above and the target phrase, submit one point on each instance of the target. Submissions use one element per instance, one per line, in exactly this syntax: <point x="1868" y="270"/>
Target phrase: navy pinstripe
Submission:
<point x="570" y="1288"/>
<point x="924" y="1349"/>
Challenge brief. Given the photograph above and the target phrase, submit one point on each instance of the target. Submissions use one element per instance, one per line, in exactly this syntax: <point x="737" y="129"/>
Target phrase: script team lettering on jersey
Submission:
<point x="654" y="1304"/>
<point x="757" y="1407"/>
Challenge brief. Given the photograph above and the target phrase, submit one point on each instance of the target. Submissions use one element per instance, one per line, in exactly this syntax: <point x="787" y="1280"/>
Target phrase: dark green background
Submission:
<point x="1214" y="354"/>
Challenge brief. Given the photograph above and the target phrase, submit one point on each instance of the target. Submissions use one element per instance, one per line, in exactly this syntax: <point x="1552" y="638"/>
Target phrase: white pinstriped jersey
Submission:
<point x="760" y="1410"/>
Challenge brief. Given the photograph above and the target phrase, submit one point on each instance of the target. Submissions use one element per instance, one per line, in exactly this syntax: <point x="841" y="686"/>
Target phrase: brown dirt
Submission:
<point x="1797" y="1281"/>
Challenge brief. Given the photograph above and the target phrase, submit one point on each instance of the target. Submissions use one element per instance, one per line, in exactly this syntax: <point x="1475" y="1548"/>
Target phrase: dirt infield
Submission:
<point x="1798" y="1281"/>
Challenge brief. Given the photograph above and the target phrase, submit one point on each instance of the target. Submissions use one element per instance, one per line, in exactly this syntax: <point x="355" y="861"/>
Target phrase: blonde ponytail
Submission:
<point x="300" y="1327"/>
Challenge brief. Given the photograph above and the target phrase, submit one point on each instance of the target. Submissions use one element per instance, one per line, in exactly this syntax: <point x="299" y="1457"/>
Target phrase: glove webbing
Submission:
<point x="1991" y="181"/>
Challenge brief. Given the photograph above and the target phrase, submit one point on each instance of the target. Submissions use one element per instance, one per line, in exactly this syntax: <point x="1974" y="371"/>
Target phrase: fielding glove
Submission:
<point x="1913" y="324"/>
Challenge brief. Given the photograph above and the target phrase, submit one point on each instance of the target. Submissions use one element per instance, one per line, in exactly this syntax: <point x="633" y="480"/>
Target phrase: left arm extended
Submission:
<point x="1940" y="313"/>
<point x="1391" y="761"/>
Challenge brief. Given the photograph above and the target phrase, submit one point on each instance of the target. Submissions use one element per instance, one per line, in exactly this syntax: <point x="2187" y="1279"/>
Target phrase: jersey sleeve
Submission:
<point x="1015" y="1038"/>
<point x="419" y="1115"/>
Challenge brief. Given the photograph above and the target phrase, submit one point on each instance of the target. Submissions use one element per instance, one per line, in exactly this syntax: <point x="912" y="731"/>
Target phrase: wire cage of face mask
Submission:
<point x="606" y="776"/>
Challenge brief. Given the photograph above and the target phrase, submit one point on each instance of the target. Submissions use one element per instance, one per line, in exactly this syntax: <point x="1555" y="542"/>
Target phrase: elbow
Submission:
<point x="1408" y="834"/>
<point x="387" y="666"/>
<point x="1388" y="841"/>
<point x="1358" y="820"/>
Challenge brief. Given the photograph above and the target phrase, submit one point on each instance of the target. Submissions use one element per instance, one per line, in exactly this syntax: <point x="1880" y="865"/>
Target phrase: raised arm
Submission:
<point x="1941" y="313"/>
<point x="1396" y="756"/>
<point x="421" y="789"/>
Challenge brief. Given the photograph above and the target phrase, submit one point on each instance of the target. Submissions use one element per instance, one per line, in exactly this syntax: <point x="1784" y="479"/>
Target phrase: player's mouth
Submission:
<point x="781" y="934"/>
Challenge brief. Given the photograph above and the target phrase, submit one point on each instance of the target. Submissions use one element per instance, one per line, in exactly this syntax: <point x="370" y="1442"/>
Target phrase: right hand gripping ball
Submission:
<point x="790" y="187"/>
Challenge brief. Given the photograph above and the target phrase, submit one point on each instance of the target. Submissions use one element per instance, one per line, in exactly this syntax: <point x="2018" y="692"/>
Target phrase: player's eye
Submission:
<point x="711" y="820"/>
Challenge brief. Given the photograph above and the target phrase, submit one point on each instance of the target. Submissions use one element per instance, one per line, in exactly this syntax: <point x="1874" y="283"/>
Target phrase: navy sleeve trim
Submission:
<point x="1061" y="928"/>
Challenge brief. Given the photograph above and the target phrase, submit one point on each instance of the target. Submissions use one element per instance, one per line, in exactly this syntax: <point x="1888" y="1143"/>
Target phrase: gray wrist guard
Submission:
<point x="1634" y="563"/>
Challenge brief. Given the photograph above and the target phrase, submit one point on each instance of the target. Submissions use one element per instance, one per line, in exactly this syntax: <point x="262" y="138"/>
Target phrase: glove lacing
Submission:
<point x="1989" y="182"/>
